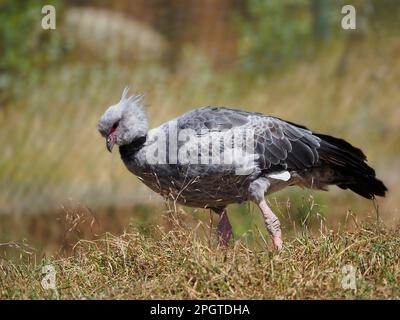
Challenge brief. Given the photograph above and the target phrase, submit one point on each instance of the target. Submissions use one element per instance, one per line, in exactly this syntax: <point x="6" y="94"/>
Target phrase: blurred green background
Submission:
<point x="287" y="58"/>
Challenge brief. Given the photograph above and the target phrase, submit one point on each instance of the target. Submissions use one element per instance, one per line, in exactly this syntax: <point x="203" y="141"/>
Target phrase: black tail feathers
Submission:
<point x="350" y="164"/>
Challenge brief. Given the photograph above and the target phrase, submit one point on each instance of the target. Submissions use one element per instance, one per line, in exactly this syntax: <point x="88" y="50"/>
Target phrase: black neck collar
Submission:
<point x="130" y="149"/>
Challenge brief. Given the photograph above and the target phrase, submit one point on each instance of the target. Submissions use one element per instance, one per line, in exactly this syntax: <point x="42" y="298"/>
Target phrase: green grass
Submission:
<point x="186" y="263"/>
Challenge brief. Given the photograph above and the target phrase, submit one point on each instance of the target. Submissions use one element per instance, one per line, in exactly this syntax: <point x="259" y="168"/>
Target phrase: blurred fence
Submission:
<point x="181" y="54"/>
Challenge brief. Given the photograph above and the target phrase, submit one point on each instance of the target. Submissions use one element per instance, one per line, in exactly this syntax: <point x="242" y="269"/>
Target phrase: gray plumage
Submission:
<point x="302" y="157"/>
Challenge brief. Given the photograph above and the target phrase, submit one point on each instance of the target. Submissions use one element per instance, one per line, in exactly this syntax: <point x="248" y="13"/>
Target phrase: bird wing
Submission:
<point x="213" y="119"/>
<point x="278" y="144"/>
<point x="284" y="145"/>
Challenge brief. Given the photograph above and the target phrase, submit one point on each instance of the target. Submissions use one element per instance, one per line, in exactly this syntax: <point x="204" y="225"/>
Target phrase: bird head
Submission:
<point x="123" y="122"/>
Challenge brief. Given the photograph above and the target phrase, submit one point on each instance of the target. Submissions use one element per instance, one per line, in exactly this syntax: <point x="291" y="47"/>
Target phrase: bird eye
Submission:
<point x="115" y="125"/>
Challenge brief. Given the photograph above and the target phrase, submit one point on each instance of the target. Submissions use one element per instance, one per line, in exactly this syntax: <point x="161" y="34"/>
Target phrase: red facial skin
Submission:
<point x="112" y="138"/>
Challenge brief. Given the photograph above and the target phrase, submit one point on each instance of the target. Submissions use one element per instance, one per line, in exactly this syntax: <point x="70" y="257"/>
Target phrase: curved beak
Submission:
<point x="110" y="141"/>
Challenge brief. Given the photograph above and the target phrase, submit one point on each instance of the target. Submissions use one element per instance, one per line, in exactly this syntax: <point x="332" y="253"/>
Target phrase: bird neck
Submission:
<point x="132" y="148"/>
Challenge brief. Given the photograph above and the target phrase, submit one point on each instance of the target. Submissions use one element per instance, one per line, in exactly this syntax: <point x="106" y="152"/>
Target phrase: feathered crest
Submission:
<point x="125" y="93"/>
<point x="132" y="99"/>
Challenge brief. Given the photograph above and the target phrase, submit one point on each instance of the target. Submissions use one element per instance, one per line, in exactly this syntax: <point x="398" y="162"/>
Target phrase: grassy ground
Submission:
<point x="186" y="263"/>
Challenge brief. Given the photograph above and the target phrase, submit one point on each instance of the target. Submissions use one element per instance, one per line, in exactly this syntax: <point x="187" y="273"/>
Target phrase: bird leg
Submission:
<point x="224" y="229"/>
<point x="272" y="223"/>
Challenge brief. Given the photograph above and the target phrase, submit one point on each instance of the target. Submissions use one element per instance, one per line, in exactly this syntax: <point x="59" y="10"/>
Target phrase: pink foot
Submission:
<point x="278" y="243"/>
<point x="273" y="225"/>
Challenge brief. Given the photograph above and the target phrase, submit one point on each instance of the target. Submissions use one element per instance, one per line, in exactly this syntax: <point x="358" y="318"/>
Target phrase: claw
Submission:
<point x="278" y="243"/>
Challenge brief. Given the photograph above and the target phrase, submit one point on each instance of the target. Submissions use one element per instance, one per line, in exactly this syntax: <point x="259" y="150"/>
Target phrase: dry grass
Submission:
<point x="186" y="263"/>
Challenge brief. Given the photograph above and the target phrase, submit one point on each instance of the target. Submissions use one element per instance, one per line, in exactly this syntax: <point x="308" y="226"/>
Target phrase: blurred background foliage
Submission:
<point x="277" y="33"/>
<point x="24" y="45"/>
<point x="287" y="58"/>
<point x="256" y="34"/>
